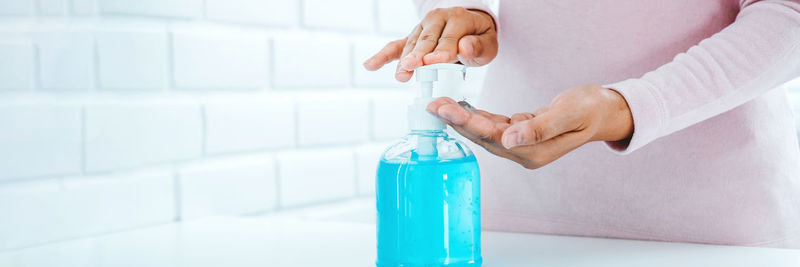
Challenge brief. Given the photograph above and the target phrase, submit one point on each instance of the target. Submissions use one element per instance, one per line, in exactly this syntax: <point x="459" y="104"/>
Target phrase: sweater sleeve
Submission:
<point x="757" y="52"/>
<point x="425" y="6"/>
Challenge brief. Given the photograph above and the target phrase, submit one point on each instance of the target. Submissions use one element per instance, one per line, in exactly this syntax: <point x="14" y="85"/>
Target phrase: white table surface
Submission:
<point x="341" y="235"/>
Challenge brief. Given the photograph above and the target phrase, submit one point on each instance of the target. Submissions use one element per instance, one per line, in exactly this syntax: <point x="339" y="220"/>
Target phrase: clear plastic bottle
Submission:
<point x="428" y="199"/>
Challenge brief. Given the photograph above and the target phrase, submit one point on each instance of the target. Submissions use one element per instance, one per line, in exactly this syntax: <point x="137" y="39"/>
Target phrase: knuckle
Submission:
<point x="537" y="135"/>
<point x="436" y="12"/>
<point x="429" y="37"/>
<point x="411" y="42"/>
<point x="457" y="11"/>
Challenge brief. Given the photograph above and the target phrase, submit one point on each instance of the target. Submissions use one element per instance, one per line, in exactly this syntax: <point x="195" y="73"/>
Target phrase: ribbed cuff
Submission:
<point x="647" y="109"/>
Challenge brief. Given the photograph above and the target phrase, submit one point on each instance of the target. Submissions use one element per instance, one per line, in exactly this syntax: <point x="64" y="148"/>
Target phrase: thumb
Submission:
<point x="477" y="50"/>
<point x="541" y="128"/>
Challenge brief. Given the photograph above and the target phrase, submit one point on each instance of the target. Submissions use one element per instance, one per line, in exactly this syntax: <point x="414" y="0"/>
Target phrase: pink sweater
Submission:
<point x="714" y="156"/>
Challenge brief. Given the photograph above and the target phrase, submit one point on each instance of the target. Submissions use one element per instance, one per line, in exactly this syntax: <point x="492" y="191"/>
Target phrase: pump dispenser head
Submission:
<point x="442" y="74"/>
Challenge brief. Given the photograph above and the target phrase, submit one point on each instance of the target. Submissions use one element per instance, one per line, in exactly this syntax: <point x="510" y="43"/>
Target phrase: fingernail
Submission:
<point x="511" y="140"/>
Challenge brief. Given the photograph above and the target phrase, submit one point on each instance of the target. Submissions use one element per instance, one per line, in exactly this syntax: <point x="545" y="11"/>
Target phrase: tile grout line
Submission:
<point x="177" y="195"/>
<point x="84" y="140"/>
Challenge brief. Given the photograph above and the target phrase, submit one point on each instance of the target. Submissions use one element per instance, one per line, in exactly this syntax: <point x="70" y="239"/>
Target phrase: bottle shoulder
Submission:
<point x="408" y="150"/>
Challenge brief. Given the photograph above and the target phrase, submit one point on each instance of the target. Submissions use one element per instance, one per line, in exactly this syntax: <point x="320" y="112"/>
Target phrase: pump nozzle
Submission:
<point x="418" y="118"/>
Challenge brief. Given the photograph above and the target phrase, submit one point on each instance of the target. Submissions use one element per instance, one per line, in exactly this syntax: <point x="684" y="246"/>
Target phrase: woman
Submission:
<point x="698" y="147"/>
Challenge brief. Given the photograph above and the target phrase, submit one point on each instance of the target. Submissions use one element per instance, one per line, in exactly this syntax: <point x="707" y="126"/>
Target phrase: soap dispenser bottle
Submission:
<point x="428" y="188"/>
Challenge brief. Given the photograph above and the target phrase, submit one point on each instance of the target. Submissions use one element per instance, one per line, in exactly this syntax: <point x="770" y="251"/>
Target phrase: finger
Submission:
<point x="492" y="147"/>
<point x="538" y="129"/>
<point x="428" y="38"/>
<point x="401" y="74"/>
<point x="538" y="155"/>
<point x="447" y="46"/>
<point x="390" y="52"/>
<point x="434" y="105"/>
<point x="518" y="117"/>
<point x="493" y="117"/>
<point x="477" y="50"/>
<point x="482" y="128"/>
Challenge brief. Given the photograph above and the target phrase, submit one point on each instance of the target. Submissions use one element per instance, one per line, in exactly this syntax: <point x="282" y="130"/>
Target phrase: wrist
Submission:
<point x="617" y="124"/>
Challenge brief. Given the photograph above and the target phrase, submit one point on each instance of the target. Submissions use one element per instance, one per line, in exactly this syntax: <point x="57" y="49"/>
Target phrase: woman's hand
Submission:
<point x="575" y="117"/>
<point x="445" y="35"/>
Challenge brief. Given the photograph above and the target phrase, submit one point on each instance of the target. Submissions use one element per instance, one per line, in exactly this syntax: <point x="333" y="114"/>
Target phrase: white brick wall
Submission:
<point x="17" y="70"/>
<point x="332" y="119"/>
<point x="84" y="7"/>
<point x="396" y="17"/>
<point x="39" y="139"/>
<point x="53" y="7"/>
<point x="270" y="12"/>
<point x="66" y="60"/>
<point x="220" y="61"/>
<point x="167" y="8"/>
<point x="49" y="210"/>
<point x="236" y="125"/>
<point x="311" y="61"/>
<point x="389" y="115"/>
<point x="120" y="114"/>
<point x="238" y="186"/>
<point x="353" y="15"/>
<point x="16" y="7"/>
<point x="132" y="60"/>
<point x="127" y="135"/>
<point x="308" y="177"/>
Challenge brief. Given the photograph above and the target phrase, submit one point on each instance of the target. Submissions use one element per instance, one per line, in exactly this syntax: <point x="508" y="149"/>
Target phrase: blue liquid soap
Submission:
<point x="428" y="201"/>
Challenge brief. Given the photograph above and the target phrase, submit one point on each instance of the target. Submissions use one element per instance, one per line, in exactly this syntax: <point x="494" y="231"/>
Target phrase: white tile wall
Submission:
<point x="246" y="125"/>
<point x="167" y="8"/>
<point x="16" y="7"/>
<point x="396" y="17"/>
<point x="84" y="7"/>
<point x="220" y="61"/>
<point x="308" y="177"/>
<point x="270" y="12"/>
<point x="311" y="61"/>
<point x="239" y="186"/>
<point x="17" y="70"/>
<point x="94" y="205"/>
<point x="53" y="7"/>
<point x="126" y="135"/>
<point x="66" y="60"/>
<point x="132" y="60"/>
<point x="332" y="119"/>
<point x="39" y="139"/>
<point x="46" y="211"/>
<point x="354" y="15"/>
<point x="389" y="115"/>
